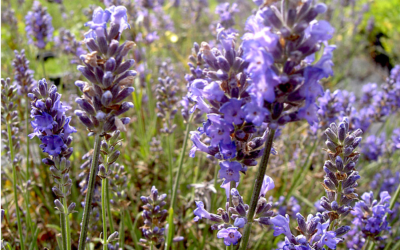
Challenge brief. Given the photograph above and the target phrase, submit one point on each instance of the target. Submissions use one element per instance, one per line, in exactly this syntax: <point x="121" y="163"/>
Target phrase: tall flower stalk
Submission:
<point x="103" y="97"/>
<point x="39" y="29"/>
<point x="53" y="128"/>
<point x="25" y="83"/>
<point x="280" y="48"/>
<point x="9" y="116"/>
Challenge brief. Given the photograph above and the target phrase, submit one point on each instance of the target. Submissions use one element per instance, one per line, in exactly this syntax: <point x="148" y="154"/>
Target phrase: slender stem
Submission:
<point x="176" y="186"/>
<point x="110" y="220"/>
<point x="89" y="193"/>
<point x="395" y="197"/>
<point x="371" y="245"/>
<point x="181" y="159"/>
<point x="28" y="167"/>
<point x="170" y="166"/>
<point x="122" y="229"/>
<point x="214" y="198"/>
<point x="257" y="188"/>
<point x="67" y="226"/>
<point x="42" y="62"/>
<point x="104" y="211"/>
<point x="63" y="223"/>
<point x="11" y="146"/>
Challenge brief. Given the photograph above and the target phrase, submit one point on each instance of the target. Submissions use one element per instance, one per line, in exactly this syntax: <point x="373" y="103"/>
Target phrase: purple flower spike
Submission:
<point x="231" y="235"/>
<point x="230" y="171"/>
<point x="38" y="26"/>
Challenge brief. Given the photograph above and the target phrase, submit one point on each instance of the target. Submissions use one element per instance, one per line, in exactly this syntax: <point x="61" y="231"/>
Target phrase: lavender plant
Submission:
<point x="68" y="44"/>
<point x="9" y="118"/>
<point x="103" y="99"/>
<point x="278" y="52"/>
<point x="370" y="220"/>
<point x="154" y="219"/>
<point x="52" y="127"/>
<point x="39" y="29"/>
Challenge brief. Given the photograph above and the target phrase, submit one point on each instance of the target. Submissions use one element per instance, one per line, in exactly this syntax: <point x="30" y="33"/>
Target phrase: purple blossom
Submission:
<point x="232" y="111"/>
<point x="41" y="122"/>
<point x="52" y="144"/>
<point x="200" y="212"/>
<point x="218" y="130"/>
<point x="231" y="235"/>
<point x="267" y="185"/>
<point x="230" y="171"/>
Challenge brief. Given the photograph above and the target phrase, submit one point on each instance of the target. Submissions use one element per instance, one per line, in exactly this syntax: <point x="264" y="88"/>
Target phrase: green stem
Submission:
<point x="89" y="193"/>
<point x="257" y="188"/>
<point x="122" y="229"/>
<point x="11" y="146"/>
<point x="63" y="223"/>
<point x="104" y="211"/>
<point x="395" y="198"/>
<point x="214" y="198"/>
<point x="27" y="141"/>
<point x="181" y="159"/>
<point x="28" y="214"/>
<point x="110" y="220"/>
<point x="42" y="62"/>
<point x="371" y="245"/>
<point x="67" y="226"/>
<point x="63" y="232"/>
<point x="176" y="186"/>
<point x="170" y="167"/>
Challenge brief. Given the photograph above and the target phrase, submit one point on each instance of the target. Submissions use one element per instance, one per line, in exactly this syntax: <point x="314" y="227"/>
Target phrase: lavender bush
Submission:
<point x="156" y="124"/>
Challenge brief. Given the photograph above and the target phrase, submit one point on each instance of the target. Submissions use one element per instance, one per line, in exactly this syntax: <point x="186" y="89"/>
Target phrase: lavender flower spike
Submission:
<point x="53" y="128"/>
<point x="109" y="84"/>
<point x="38" y="26"/>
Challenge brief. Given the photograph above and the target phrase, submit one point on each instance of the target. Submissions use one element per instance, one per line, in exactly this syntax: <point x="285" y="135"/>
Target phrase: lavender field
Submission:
<point x="200" y="124"/>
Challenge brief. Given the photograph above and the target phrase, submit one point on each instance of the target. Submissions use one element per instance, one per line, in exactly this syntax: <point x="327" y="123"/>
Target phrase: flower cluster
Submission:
<point x="230" y="219"/>
<point x="154" y="216"/>
<point x="109" y="76"/>
<point x="167" y="100"/>
<point x="340" y="175"/>
<point x="314" y="232"/>
<point x="332" y="106"/>
<point x="23" y="75"/>
<point x="370" y="219"/>
<point x="67" y="43"/>
<point x="373" y="147"/>
<point x="219" y="90"/>
<point x="38" y="26"/>
<point x="53" y="128"/>
<point x="110" y="153"/>
<point x="385" y="180"/>
<point x="226" y="13"/>
<point x="280" y="48"/>
<point x="9" y="114"/>
<point x="291" y="207"/>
